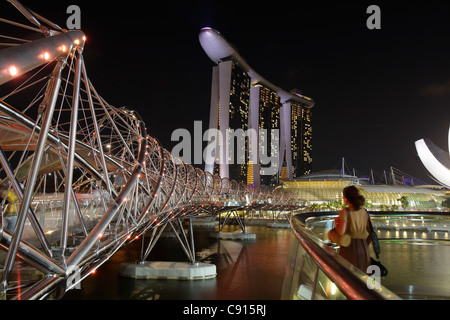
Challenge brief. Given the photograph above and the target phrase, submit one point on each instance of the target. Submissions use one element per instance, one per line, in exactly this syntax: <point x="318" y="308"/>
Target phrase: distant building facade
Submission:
<point x="301" y="138"/>
<point x="278" y="124"/>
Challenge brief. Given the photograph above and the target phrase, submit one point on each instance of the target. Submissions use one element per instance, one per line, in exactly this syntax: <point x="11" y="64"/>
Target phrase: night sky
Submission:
<point x="376" y="91"/>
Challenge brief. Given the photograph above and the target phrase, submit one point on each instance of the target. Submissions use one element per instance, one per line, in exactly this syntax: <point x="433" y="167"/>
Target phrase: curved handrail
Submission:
<point x="350" y="280"/>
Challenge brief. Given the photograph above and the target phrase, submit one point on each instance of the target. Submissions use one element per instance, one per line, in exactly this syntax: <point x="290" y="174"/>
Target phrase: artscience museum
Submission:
<point x="435" y="160"/>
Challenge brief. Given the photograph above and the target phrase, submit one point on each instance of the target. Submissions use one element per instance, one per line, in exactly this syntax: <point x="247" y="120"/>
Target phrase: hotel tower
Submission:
<point x="271" y="131"/>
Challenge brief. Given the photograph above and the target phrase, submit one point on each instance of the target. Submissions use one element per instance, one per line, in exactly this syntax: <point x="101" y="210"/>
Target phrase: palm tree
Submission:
<point x="404" y="201"/>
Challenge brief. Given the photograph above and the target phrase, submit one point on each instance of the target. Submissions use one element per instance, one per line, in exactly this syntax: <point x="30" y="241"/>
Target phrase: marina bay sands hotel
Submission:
<point x="275" y="125"/>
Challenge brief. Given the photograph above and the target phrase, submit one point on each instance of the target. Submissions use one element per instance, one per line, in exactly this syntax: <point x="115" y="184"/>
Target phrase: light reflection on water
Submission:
<point x="417" y="262"/>
<point x="417" y="269"/>
<point x="252" y="269"/>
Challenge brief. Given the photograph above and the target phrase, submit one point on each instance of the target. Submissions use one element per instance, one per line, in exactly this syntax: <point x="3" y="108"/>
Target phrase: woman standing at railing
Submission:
<point x="354" y="221"/>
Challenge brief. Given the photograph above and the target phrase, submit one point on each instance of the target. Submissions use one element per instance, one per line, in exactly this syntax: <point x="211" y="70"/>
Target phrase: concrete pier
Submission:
<point x="168" y="270"/>
<point x="279" y="224"/>
<point x="206" y="221"/>
<point x="239" y="235"/>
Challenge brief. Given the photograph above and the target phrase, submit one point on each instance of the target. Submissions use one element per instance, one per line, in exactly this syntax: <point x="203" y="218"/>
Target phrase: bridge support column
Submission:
<point x="239" y="235"/>
<point x="191" y="270"/>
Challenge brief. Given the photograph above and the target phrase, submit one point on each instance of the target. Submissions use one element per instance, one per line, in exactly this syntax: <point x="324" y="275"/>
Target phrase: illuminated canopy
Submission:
<point x="435" y="160"/>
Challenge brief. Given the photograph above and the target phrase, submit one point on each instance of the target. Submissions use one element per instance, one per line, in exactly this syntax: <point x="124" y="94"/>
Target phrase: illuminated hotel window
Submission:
<point x="238" y="119"/>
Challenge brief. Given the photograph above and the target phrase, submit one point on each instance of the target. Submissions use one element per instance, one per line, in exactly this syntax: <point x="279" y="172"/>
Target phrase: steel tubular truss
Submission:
<point x="80" y="178"/>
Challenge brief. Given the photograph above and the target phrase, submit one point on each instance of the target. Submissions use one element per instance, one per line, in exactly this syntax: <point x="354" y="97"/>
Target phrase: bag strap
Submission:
<point x="347" y="218"/>
<point x="372" y="234"/>
<point x="370" y="222"/>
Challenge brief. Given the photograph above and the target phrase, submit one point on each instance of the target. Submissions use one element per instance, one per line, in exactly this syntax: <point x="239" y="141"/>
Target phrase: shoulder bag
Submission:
<point x="342" y="240"/>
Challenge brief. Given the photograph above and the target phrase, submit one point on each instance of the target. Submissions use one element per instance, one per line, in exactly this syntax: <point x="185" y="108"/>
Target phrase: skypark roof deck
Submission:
<point x="219" y="49"/>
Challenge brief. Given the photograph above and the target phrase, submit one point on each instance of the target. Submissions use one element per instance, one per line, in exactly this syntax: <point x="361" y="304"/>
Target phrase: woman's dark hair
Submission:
<point x="351" y="193"/>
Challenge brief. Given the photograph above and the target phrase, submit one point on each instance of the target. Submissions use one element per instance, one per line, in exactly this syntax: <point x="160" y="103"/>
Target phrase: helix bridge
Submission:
<point x="81" y="177"/>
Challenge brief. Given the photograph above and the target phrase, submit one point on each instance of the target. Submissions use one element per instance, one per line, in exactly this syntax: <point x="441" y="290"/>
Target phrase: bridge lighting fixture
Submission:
<point x="45" y="56"/>
<point x="13" y="71"/>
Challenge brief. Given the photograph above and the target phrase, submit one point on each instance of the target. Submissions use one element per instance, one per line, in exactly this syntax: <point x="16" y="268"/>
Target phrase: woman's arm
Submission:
<point x="341" y="222"/>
